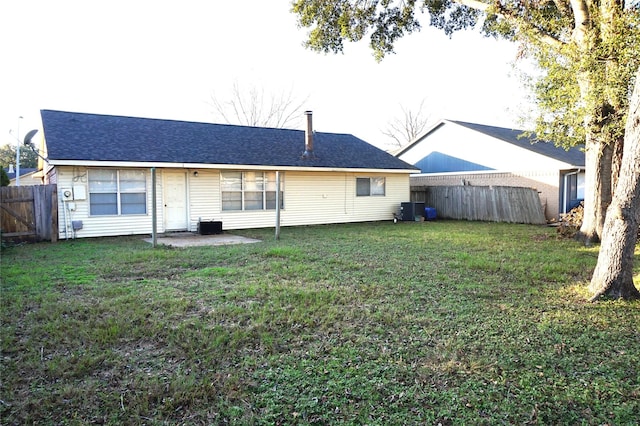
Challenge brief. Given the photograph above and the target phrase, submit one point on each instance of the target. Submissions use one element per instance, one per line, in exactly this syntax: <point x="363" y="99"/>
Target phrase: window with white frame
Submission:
<point x="374" y="186"/>
<point x="250" y="190"/>
<point x="117" y="192"/>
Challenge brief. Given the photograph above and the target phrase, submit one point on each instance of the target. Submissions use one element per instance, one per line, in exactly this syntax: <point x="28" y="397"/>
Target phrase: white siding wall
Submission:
<point x="323" y="197"/>
<point x="460" y="142"/>
<point x="204" y="197"/>
<point x="309" y="198"/>
<point x="98" y="226"/>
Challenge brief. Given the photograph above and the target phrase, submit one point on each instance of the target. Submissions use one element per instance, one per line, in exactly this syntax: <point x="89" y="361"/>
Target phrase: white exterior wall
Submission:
<point x="26" y="180"/>
<point x="97" y="226"/>
<point x="309" y="198"/>
<point x="204" y="197"/>
<point x="319" y="198"/>
<point x="466" y="144"/>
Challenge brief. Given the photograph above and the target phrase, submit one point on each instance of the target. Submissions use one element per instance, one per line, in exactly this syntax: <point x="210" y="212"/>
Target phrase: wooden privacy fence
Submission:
<point x="29" y="213"/>
<point x="483" y="203"/>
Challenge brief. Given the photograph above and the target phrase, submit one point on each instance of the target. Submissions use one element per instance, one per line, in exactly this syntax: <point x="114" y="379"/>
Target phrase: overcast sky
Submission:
<point x="165" y="59"/>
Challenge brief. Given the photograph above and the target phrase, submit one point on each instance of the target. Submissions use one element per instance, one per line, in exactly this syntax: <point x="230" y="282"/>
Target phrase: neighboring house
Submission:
<point x="103" y="167"/>
<point x="459" y="153"/>
<point x="28" y="176"/>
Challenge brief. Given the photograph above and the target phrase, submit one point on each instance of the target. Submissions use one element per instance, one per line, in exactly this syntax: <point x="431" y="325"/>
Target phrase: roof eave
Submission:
<point x="418" y="138"/>
<point x="142" y="164"/>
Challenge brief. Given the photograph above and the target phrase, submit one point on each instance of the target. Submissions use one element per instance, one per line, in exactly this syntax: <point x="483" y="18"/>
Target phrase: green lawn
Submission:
<point x="380" y="324"/>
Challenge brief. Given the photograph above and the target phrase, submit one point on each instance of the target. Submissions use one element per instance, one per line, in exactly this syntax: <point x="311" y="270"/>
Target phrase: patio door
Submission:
<point x="175" y="201"/>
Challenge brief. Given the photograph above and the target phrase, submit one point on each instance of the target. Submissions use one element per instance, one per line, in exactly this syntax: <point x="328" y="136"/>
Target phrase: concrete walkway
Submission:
<point x="188" y="239"/>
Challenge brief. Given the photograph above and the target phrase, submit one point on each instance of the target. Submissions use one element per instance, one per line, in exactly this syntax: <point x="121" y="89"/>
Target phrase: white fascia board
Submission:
<point x="202" y="166"/>
<point x="421" y="136"/>
<point x="294" y="168"/>
<point x="93" y="163"/>
<point x="345" y="170"/>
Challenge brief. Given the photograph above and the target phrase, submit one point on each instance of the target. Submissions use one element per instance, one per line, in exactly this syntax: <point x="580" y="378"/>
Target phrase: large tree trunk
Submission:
<point x="603" y="145"/>
<point x="593" y="146"/>
<point x="613" y="276"/>
<point x="597" y="191"/>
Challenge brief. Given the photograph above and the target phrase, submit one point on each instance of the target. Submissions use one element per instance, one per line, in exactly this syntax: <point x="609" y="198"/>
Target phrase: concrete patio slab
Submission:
<point x="188" y="239"/>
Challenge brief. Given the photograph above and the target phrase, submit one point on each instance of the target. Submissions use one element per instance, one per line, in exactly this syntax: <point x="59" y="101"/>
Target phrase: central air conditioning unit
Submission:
<point x="412" y="211"/>
<point x="210" y="227"/>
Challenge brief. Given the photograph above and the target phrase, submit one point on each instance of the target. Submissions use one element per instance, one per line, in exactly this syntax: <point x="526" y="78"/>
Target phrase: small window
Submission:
<point x="377" y="186"/>
<point x="363" y="187"/>
<point x="370" y="187"/>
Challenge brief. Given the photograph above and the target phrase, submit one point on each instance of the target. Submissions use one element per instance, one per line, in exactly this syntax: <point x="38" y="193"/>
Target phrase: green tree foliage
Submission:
<point x="585" y="85"/>
<point x="28" y="158"/>
<point x="586" y="52"/>
<point x="610" y="52"/>
<point x="4" y="179"/>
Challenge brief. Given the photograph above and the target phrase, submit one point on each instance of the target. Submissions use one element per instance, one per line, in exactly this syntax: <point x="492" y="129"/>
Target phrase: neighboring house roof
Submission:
<point x="28" y="179"/>
<point x="573" y="156"/>
<point x="23" y="171"/>
<point x="79" y="137"/>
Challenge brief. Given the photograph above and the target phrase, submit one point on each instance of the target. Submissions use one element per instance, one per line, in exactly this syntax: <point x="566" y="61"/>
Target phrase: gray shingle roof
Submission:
<point x="23" y="171"/>
<point x="94" y="137"/>
<point x="573" y="156"/>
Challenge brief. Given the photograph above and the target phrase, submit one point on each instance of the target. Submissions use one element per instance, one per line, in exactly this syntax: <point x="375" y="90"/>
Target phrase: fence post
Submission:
<point x="52" y="197"/>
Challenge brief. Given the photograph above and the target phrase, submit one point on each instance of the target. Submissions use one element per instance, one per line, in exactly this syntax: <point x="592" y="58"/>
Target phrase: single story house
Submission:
<point x="104" y="166"/>
<point x="28" y="176"/>
<point x="459" y="153"/>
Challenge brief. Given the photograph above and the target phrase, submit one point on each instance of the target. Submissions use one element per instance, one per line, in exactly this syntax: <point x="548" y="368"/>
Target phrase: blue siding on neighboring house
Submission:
<point x="437" y="162"/>
<point x="518" y="138"/>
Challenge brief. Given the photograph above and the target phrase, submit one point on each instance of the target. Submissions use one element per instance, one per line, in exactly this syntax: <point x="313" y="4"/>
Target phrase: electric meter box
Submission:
<point x="79" y="192"/>
<point x="67" y="194"/>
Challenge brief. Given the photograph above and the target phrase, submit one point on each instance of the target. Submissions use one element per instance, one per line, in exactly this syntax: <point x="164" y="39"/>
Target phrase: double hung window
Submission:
<point x="117" y="192"/>
<point x="250" y="191"/>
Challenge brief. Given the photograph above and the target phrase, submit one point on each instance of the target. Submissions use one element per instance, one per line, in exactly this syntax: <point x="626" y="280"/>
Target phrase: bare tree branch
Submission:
<point x="406" y="128"/>
<point x="253" y="108"/>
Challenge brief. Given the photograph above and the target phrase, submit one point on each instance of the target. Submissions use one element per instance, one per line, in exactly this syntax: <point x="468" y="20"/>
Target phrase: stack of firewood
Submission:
<point x="570" y="223"/>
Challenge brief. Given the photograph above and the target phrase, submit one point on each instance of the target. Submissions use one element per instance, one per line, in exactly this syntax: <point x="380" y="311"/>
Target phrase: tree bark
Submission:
<point x="589" y="229"/>
<point x="613" y="275"/>
<point x="597" y="191"/>
<point x="602" y="146"/>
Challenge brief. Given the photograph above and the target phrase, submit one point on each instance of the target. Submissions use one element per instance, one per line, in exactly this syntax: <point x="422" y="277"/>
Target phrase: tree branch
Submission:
<point x="498" y="9"/>
<point x="581" y="19"/>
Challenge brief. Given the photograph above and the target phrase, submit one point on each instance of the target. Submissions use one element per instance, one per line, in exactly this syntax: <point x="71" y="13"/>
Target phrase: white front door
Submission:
<point x="175" y="201"/>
